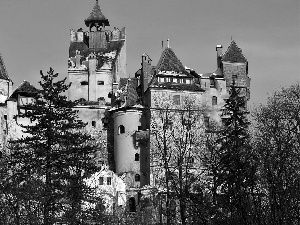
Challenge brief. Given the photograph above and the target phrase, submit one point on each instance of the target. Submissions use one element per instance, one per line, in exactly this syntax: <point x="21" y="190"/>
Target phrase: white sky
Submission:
<point x="35" y="35"/>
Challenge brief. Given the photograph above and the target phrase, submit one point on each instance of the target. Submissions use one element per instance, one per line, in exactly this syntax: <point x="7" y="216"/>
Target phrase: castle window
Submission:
<point x="84" y="83"/>
<point x="234" y="76"/>
<point x="139" y="127"/>
<point x="131" y="204"/>
<point x="94" y="123"/>
<point x="137" y="157"/>
<point x="100" y="180"/>
<point x="176" y="99"/>
<point x="214" y="100"/>
<point x="100" y="82"/>
<point x="108" y="180"/>
<point x="5" y="117"/>
<point x="137" y="177"/>
<point x="121" y="129"/>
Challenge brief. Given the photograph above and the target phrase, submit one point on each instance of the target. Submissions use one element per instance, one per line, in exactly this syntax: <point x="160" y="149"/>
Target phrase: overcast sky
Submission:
<point x="35" y="35"/>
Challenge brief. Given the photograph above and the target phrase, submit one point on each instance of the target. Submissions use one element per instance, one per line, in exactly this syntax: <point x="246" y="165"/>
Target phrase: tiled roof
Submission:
<point x="132" y="95"/>
<point x="169" y="62"/>
<point x="234" y="54"/>
<point x="3" y="72"/>
<point x="96" y="16"/>
<point x="26" y="89"/>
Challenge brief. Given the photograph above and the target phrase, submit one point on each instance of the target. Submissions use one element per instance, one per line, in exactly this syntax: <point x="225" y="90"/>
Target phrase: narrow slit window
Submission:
<point x="137" y="157"/>
<point x="108" y="180"/>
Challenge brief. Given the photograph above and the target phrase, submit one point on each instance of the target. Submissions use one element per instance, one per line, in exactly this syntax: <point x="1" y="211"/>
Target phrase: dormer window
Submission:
<point x="84" y="83"/>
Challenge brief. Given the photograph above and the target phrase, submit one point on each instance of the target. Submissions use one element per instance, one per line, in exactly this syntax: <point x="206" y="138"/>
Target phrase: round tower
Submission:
<point x="127" y="122"/>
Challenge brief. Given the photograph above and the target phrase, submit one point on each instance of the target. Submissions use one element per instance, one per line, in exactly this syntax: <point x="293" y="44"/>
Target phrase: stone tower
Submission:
<point x="97" y="58"/>
<point x="234" y="66"/>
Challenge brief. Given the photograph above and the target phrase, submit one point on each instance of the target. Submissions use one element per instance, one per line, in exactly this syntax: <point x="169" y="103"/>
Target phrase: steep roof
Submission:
<point x="169" y="62"/>
<point x="96" y="16"/>
<point x="26" y="89"/>
<point x="234" y="54"/>
<point x="3" y="72"/>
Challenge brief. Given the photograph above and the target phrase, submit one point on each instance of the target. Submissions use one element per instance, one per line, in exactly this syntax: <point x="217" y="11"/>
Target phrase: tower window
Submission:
<point x="108" y="181"/>
<point x="100" y="180"/>
<point x="137" y="157"/>
<point x="94" y="123"/>
<point x="100" y="82"/>
<point x="84" y="83"/>
<point x="214" y="100"/>
<point x="137" y="177"/>
<point x="121" y="129"/>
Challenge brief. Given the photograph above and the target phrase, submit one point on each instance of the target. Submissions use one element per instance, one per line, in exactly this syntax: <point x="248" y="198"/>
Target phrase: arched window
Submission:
<point x="131" y="204"/>
<point x="214" y="100"/>
<point x="137" y="177"/>
<point x="121" y="129"/>
<point x="137" y="157"/>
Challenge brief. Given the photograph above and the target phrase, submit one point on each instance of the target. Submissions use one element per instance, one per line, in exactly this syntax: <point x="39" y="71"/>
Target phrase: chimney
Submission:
<point x="219" y="53"/>
<point x="77" y="58"/>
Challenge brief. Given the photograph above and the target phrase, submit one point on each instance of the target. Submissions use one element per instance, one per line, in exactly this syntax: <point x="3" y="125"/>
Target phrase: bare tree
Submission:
<point x="276" y="137"/>
<point x="177" y="140"/>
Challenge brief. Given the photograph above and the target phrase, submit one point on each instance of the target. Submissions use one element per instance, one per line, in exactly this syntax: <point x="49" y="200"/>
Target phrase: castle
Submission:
<point x="112" y="101"/>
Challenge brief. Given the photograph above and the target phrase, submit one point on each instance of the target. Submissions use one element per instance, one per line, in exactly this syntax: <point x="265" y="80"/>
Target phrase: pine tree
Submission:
<point x="236" y="167"/>
<point x="54" y="149"/>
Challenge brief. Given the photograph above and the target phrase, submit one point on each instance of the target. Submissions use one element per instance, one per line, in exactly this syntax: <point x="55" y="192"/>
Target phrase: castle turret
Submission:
<point x="92" y="77"/>
<point x="235" y="68"/>
<point x="96" y="18"/>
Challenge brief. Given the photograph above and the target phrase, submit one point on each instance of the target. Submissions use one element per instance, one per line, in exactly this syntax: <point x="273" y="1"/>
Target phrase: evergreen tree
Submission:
<point x="54" y="149"/>
<point x="236" y="168"/>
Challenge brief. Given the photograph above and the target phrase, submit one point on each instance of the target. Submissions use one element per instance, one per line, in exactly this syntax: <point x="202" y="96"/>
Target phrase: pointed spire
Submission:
<point x="234" y="54"/>
<point x="96" y="17"/>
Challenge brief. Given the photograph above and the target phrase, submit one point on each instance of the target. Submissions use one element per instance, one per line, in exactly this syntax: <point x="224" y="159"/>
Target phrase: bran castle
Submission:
<point x="113" y="102"/>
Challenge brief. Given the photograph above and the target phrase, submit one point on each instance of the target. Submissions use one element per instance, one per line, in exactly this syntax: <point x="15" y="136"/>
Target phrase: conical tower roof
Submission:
<point x="169" y="62"/>
<point x="234" y="54"/>
<point x="96" y="16"/>
<point x="3" y="72"/>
